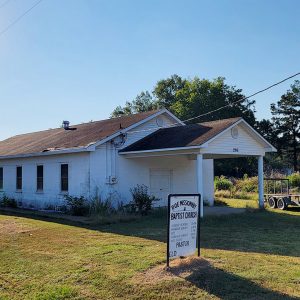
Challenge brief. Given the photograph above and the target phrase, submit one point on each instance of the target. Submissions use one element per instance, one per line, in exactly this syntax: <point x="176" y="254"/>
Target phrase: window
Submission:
<point x="64" y="177"/>
<point x="39" y="178"/>
<point x="19" y="178"/>
<point x="1" y="178"/>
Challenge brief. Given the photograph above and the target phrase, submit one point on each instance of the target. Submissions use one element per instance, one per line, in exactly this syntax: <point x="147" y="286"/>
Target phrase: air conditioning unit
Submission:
<point x="112" y="180"/>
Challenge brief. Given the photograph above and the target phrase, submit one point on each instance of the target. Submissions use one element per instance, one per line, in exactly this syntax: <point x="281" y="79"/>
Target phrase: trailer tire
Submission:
<point x="281" y="204"/>
<point x="272" y="202"/>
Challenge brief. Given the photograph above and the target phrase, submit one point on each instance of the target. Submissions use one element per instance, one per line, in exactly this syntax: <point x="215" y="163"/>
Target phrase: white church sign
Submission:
<point x="183" y="225"/>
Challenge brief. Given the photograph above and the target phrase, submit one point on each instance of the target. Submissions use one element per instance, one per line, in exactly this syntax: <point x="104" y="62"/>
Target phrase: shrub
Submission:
<point x="49" y="206"/>
<point x="223" y="194"/>
<point x="243" y="195"/>
<point x="97" y="206"/>
<point x="247" y="184"/>
<point x="77" y="206"/>
<point x="294" y="179"/>
<point x="8" y="202"/>
<point x="222" y="183"/>
<point x="141" y="200"/>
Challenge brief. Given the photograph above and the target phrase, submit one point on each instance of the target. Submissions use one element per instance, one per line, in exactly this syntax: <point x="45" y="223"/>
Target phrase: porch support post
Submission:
<point x="200" y="180"/>
<point x="261" y="181"/>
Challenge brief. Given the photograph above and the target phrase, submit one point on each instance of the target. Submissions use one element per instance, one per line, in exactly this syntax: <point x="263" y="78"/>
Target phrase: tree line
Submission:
<point x="189" y="98"/>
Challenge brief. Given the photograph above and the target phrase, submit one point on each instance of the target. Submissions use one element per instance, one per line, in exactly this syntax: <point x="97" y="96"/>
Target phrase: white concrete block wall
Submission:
<point x="88" y="174"/>
<point x="100" y="166"/>
<point x="51" y="194"/>
<point x="137" y="171"/>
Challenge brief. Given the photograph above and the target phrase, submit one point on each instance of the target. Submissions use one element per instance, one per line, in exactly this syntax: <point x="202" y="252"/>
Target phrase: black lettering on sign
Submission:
<point x="177" y="216"/>
<point x="188" y="203"/>
<point x="182" y="244"/>
<point x="190" y="214"/>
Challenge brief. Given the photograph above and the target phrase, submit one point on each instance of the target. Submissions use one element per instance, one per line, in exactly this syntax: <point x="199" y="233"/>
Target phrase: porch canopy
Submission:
<point x="202" y="143"/>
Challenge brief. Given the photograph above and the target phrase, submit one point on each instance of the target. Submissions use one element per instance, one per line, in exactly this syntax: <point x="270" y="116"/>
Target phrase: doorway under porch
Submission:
<point x="179" y="172"/>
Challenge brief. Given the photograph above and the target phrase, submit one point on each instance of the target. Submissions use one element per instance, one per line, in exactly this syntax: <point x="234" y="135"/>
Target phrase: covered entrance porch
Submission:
<point x="181" y="159"/>
<point x="184" y="171"/>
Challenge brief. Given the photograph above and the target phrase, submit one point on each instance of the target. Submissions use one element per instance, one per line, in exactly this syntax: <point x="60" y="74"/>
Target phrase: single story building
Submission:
<point x="110" y="157"/>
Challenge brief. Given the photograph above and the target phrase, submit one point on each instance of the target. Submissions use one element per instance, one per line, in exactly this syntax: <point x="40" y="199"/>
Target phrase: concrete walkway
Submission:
<point x="222" y="210"/>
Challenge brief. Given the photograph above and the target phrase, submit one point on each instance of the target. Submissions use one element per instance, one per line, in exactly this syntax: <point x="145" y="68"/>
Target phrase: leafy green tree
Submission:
<point x="200" y="96"/>
<point x="269" y="131"/>
<point x="286" y="118"/>
<point x="188" y="98"/>
<point x="143" y="102"/>
<point x="166" y="89"/>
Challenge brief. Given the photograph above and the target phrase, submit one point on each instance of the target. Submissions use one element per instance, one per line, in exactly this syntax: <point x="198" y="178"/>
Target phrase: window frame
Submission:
<point x="64" y="178"/>
<point x="39" y="179"/>
<point x="19" y="178"/>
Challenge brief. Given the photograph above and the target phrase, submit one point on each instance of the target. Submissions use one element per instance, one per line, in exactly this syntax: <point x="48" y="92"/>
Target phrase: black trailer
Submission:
<point x="277" y="193"/>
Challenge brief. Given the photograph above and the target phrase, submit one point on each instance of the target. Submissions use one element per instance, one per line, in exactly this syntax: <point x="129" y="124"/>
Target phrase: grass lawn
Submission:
<point x="237" y="203"/>
<point x="255" y="255"/>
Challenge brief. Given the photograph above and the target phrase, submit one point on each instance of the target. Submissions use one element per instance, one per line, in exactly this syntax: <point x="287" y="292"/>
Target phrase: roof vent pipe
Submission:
<point x="66" y="125"/>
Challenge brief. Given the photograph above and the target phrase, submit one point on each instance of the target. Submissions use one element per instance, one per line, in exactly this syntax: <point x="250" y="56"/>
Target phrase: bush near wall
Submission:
<point x="8" y="202"/>
<point x="294" y="180"/>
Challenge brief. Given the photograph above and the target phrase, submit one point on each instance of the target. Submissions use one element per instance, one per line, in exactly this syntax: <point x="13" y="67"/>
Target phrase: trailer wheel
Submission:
<point x="272" y="202"/>
<point x="281" y="204"/>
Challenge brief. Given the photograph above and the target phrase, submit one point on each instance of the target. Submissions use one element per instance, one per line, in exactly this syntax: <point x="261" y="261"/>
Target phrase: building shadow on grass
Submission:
<point x="256" y="231"/>
<point x="222" y="284"/>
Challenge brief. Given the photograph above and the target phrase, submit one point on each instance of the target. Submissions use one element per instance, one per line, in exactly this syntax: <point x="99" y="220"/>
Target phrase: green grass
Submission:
<point x="255" y="255"/>
<point x="237" y="203"/>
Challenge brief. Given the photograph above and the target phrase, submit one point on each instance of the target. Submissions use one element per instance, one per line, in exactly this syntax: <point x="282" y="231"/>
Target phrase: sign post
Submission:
<point x="183" y="225"/>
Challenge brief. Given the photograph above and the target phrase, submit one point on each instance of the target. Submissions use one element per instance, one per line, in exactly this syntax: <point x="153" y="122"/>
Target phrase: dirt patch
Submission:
<point x="14" y="227"/>
<point x="179" y="268"/>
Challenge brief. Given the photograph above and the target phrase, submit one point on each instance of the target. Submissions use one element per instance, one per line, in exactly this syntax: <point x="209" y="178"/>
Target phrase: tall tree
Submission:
<point x="188" y="98"/>
<point x="166" y="89"/>
<point x="142" y="102"/>
<point x="286" y="117"/>
<point x="269" y="131"/>
<point x="201" y="96"/>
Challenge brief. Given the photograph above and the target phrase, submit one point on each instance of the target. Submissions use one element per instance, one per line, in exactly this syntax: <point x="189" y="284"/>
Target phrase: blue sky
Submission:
<point x="78" y="59"/>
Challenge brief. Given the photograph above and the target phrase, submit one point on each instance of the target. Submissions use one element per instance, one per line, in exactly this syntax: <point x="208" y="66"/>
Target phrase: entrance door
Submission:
<point x="160" y="186"/>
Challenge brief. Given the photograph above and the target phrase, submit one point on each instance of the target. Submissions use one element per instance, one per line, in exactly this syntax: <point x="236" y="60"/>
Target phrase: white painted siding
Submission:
<point x="137" y="171"/>
<point x="226" y="144"/>
<point x="105" y="162"/>
<point x="89" y="172"/>
<point x="147" y="128"/>
<point x="78" y="178"/>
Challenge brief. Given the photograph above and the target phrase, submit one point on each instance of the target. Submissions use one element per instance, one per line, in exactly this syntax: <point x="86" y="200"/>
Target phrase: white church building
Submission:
<point x="110" y="157"/>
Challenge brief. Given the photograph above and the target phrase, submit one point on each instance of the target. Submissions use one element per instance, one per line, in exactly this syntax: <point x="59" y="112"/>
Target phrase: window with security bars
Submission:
<point x="64" y="177"/>
<point x="19" y="178"/>
<point x="40" y="178"/>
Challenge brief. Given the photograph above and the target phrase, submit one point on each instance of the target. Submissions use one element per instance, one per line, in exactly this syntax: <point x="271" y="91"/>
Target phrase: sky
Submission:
<point x="77" y="60"/>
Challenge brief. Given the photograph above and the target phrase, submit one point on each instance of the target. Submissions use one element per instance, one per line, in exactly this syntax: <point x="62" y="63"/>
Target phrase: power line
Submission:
<point x="19" y="18"/>
<point x="245" y="98"/>
<point x="222" y="107"/>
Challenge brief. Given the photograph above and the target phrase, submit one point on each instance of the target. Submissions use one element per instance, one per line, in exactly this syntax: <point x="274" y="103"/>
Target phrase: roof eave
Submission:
<point x="48" y="153"/>
<point x="161" y="150"/>
<point x="112" y="136"/>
